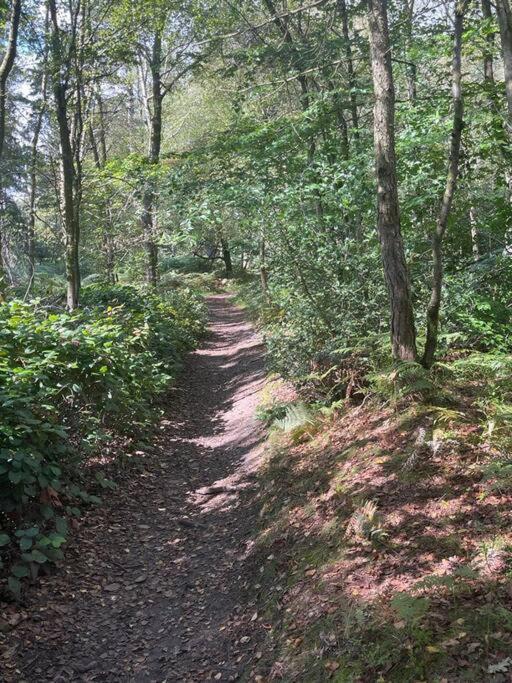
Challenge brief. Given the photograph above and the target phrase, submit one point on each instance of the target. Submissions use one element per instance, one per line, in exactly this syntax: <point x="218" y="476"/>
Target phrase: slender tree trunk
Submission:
<point x="263" y="269"/>
<point x="99" y="152"/>
<point x="406" y="20"/>
<point x="102" y="137"/>
<point x="451" y="181"/>
<point x="295" y="57"/>
<point x="33" y="185"/>
<point x="226" y="257"/>
<point x="350" y="67"/>
<point x="5" y="70"/>
<point x="155" y="141"/>
<point x="475" y="234"/>
<point x="489" y="47"/>
<point x="504" y="13"/>
<point x="341" y="120"/>
<point x="68" y="172"/>
<point x="6" y="67"/>
<point x="403" y="335"/>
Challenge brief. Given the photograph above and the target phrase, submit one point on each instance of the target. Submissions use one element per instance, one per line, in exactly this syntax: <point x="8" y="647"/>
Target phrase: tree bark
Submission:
<point x="403" y="334"/>
<point x="475" y="234"/>
<point x="295" y="57"/>
<point x="148" y="218"/>
<point x="350" y="68"/>
<point x="504" y="13"/>
<point x="5" y="70"/>
<point x="39" y="115"/>
<point x="451" y="182"/>
<point x="406" y="19"/>
<point x="488" y="59"/>
<point x="6" y="67"/>
<point x="264" y="270"/>
<point x="69" y="208"/>
<point x="99" y="153"/>
<point x="226" y="257"/>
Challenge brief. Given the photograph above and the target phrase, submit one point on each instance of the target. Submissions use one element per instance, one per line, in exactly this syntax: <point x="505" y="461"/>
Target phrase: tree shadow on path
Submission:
<point x="152" y="588"/>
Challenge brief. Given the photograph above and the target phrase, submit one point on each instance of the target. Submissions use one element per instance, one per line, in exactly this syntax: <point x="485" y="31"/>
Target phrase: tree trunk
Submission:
<point x="295" y="57"/>
<point x="6" y="67"/>
<point x="403" y="335"/>
<point x="264" y="270"/>
<point x="102" y="141"/>
<point x="350" y="67"/>
<point x="406" y="20"/>
<point x="451" y="181"/>
<point x="489" y="47"/>
<point x="67" y="182"/>
<point x="155" y="142"/>
<point x="99" y="152"/>
<point x="5" y="70"/>
<point x="226" y="257"/>
<point x="475" y="234"/>
<point x="504" y="13"/>
<point x="341" y="120"/>
<point x="33" y="186"/>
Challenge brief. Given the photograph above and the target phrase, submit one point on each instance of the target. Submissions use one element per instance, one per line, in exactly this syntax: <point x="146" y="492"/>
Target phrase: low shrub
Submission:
<point x="67" y="381"/>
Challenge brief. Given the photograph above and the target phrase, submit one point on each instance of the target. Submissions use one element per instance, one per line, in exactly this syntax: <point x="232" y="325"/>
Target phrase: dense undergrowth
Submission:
<point x="71" y="384"/>
<point x="328" y="360"/>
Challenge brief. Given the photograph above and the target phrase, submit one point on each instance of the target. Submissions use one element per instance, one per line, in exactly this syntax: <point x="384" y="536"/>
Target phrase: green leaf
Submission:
<point x="15" y="477"/>
<point x="20" y="571"/>
<point x="4" y="540"/>
<point x="25" y="543"/>
<point x="14" y="586"/>
<point x="37" y="556"/>
<point x="61" y="526"/>
<point x="31" y="532"/>
<point x="57" y="540"/>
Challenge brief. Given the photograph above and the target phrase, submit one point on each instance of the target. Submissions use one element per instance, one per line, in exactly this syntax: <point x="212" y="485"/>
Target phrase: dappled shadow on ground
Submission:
<point x="428" y="597"/>
<point x="152" y="588"/>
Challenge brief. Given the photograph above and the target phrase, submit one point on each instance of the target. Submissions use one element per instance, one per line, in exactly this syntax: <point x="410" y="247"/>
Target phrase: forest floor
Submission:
<point x="369" y="543"/>
<point x="153" y="587"/>
<point x="386" y="558"/>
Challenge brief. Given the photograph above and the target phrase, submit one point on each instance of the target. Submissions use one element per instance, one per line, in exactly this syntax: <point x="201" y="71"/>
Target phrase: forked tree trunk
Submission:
<point x="403" y="334"/>
<point x="451" y="181"/>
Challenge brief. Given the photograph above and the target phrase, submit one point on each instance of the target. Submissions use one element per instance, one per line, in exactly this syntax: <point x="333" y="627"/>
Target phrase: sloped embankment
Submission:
<point x="384" y="550"/>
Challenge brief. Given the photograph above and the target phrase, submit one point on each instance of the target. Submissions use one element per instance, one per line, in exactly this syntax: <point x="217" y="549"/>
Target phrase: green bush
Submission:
<point x="477" y="312"/>
<point x="67" y="379"/>
<point x="185" y="264"/>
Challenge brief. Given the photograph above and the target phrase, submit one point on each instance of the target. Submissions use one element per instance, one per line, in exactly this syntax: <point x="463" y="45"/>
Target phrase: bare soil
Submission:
<point x="153" y="587"/>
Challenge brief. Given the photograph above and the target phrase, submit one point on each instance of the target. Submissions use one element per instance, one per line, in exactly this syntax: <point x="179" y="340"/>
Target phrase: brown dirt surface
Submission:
<point x="153" y="586"/>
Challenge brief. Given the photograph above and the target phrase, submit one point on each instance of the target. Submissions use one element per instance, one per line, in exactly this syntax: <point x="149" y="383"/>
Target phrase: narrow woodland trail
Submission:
<point x="153" y="587"/>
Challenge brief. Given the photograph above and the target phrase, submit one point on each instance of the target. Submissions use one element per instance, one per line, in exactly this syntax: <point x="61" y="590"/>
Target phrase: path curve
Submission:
<point x="153" y="586"/>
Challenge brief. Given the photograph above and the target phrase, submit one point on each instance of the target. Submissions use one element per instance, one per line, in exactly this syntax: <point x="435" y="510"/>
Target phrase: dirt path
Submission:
<point x="153" y="587"/>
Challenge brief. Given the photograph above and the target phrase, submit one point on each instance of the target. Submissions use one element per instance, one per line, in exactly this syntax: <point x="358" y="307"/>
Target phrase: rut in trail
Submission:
<point x="153" y="587"/>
